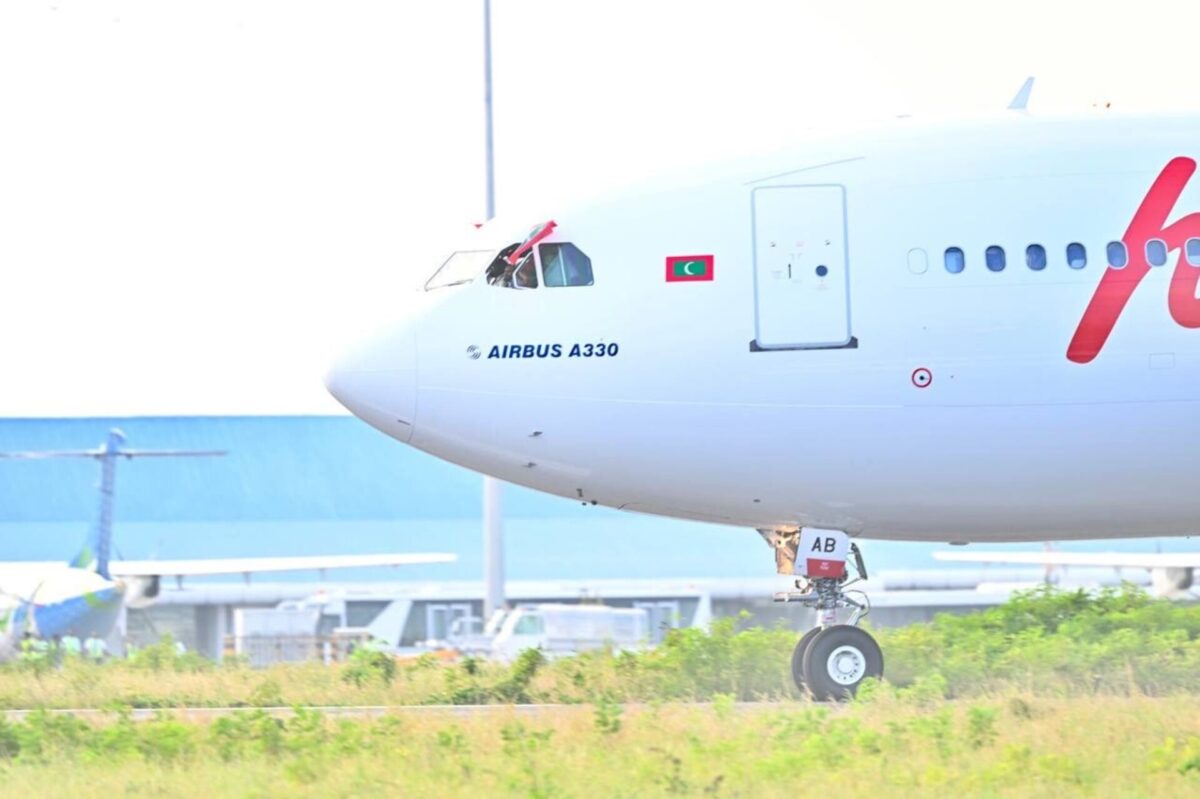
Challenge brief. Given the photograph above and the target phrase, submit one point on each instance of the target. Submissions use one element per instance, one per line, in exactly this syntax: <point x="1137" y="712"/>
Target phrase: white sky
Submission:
<point x="199" y="199"/>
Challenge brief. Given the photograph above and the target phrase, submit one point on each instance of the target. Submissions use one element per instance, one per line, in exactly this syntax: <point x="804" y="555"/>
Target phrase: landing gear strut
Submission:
<point x="831" y="660"/>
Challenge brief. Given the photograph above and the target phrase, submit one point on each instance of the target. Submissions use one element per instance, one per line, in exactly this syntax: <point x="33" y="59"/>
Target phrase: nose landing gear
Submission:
<point x="836" y="661"/>
<point x="830" y="661"/>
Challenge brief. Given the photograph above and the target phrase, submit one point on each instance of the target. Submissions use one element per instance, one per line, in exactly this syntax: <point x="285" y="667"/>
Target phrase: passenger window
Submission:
<point x="1076" y="255"/>
<point x="1035" y="257"/>
<point x="1156" y="252"/>
<point x="955" y="260"/>
<point x="1117" y="255"/>
<point x="918" y="261"/>
<point x="564" y="264"/>
<point x="994" y="257"/>
<point x="1192" y="250"/>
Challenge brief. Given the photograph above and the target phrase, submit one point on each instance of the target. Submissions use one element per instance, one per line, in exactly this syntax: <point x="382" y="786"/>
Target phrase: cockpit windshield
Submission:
<point x="517" y="266"/>
<point x="461" y="267"/>
<point x="564" y="264"/>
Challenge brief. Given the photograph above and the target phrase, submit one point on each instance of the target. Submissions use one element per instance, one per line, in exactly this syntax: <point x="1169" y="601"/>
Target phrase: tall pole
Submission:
<point x="108" y="490"/>
<point x="493" y="546"/>
<point x="493" y="493"/>
<point x="489" y="150"/>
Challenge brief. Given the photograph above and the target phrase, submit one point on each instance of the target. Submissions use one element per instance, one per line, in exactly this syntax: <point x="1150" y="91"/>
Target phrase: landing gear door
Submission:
<point x="801" y="274"/>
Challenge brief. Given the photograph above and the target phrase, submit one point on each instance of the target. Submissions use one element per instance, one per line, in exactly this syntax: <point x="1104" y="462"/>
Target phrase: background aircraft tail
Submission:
<point x="96" y="549"/>
<point x="94" y="554"/>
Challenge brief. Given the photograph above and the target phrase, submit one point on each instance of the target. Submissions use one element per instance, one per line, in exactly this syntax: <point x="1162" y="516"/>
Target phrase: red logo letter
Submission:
<point x="1118" y="285"/>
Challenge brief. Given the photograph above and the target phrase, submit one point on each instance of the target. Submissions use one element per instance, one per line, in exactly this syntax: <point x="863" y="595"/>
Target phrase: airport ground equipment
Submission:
<point x="832" y="660"/>
<point x="555" y="629"/>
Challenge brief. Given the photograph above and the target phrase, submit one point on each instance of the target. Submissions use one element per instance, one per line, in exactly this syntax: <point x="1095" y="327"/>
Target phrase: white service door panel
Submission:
<point x="802" y="281"/>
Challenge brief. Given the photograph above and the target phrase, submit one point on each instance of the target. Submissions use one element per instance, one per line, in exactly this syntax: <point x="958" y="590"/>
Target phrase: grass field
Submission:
<point x="1052" y="694"/>
<point x="1045" y="643"/>
<point x="1018" y="746"/>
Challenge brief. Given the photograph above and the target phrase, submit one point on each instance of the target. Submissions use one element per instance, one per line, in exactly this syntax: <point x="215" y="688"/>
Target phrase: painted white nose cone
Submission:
<point x="377" y="382"/>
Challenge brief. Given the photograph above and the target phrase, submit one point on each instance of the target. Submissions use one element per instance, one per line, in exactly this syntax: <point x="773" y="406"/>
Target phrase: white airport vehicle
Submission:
<point x="559" y="629"/>
<point x="85" y="596"/>
<point x="471" y="635"/>
<point x="971" y="331"/>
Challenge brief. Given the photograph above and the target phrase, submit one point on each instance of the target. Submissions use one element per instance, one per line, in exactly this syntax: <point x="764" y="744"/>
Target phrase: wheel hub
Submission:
<point x="846" y="665"/>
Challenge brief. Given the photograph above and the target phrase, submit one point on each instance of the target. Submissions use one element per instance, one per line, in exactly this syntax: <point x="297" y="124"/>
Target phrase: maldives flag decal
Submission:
<point x="689" y="268"/>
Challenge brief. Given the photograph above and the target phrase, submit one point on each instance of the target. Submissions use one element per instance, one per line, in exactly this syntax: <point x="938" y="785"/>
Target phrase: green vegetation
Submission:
<point x="886" y="745"/>
<point x="1052" y="694"/>
<point x="1044" y="643"/>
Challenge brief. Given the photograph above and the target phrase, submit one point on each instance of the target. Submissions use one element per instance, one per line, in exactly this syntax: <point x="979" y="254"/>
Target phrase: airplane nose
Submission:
<point x="377" y="381"/>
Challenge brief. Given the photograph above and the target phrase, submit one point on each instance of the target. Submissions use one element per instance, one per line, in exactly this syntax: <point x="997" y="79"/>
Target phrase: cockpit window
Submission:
<point x="565" y="265"/>
<point x="500" y="271"/>
<point x="560" y="263"/>
<point x="461" y="267"/>
<point x="516" y="265"/>
<point x="525" y="275"/>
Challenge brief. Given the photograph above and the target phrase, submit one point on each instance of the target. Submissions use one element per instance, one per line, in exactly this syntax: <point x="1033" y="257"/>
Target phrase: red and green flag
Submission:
<point x="689" y="268"/>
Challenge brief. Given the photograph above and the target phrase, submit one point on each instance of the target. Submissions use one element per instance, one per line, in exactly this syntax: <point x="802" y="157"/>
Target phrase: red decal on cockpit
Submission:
<point x="1118" y="285"/>
<point x="535" y="235"/>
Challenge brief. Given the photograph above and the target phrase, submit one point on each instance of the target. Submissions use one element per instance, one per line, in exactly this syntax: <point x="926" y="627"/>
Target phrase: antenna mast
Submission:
<point x="107" y="454"/>
<point x="493" y="489"/>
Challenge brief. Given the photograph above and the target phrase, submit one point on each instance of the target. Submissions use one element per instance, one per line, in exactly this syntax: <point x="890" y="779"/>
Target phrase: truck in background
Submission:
<point x="555" y="629"/>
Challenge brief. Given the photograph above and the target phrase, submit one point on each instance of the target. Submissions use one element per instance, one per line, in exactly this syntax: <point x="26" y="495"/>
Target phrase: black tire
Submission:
<point x="798" y="658"/>
<point x="840" y="649"/>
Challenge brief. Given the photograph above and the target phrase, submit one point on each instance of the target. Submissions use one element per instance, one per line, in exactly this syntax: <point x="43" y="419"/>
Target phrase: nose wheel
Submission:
<point x="834" y="661"/>
<point x="798" y="658"/>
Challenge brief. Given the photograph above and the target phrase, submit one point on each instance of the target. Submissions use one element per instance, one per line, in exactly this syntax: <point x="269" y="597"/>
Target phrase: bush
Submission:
<point x="1043" y="641"/>
<point x="166" y="739"/>
<point x="266" y="694"/>
<point x="366" y="665"/>
<point x="1050" y="641"/>
<point x="515" y="687"/>
<point x="166" y="656"/>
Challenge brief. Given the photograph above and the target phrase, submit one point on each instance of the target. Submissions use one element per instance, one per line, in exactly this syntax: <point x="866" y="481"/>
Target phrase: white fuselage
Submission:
<point x="889" y="397"/>
<point x="52" y="599"/>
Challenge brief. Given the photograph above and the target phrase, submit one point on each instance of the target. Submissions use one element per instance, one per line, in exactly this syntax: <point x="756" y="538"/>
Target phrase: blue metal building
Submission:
<point x="317" y="484"/>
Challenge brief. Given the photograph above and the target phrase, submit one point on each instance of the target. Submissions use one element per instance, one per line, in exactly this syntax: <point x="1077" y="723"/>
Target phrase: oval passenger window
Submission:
<point x="1035" y="257"/>
<point x="994" y="257"/>
<point x="1192" y="251"/>
<point x="1156" y="252"/>
<point x="1117" y="256"/>
<point x="1076" y="255"/>
<point x="955" y="260"/>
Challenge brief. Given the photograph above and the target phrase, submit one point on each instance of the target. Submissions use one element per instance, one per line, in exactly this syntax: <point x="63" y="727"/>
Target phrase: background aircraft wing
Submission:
<point x="215" y="566"/>
<point x="1116" y="560"/>
<point x="66" y="453"/>
<point x="170" y="453"/>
